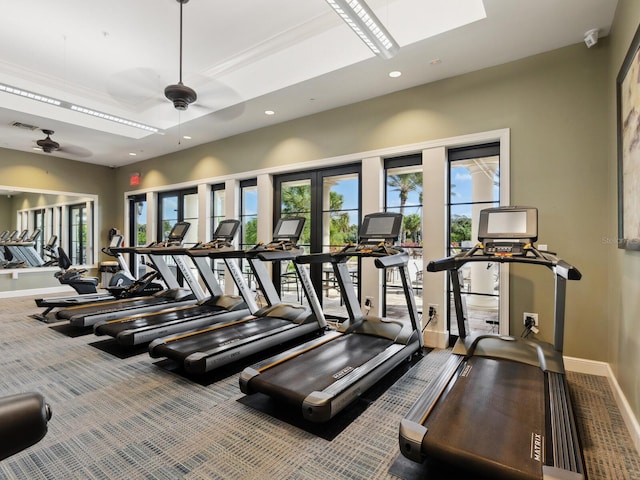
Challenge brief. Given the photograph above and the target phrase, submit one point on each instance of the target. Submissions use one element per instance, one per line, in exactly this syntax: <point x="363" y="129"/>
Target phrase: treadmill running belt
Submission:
<point x="116" y="326"/>
<point x="226" y="334"/>
<point x="505" y="403"/>
<point x="318" y="368"/>
<point x="108" y="307"/>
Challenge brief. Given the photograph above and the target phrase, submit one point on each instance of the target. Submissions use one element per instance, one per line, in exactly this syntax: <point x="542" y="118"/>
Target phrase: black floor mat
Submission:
<point x="70" y="330"/>
<point x="332" y="428"/>
<point x="112" y="347"/>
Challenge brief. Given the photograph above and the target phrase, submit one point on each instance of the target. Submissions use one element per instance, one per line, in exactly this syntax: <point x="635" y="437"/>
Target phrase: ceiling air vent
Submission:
<point x="24" y="126"/>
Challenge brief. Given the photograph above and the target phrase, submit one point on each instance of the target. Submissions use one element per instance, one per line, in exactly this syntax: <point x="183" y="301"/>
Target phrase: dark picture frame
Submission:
<point x="628" y="133"/>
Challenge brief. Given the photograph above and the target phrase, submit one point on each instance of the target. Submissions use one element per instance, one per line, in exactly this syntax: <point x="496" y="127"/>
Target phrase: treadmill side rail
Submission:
<point x="554" y="473"/>
<point x="412" y="430"/>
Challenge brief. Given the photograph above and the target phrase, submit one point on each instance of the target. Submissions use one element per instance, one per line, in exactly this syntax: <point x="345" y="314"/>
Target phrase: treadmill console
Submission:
<point x="226" y="230"/>
<point x="507" y="230"/>
<point x="51" y="243"/>
<point x="116" y="241"/>
<point x="222" y="237"/>
<point x="177" y="234"/>
<point x="380" y="227"/>
<point x="34" y="235"/>
<point x="286" y="233"/>
<point x="378" y="233"/>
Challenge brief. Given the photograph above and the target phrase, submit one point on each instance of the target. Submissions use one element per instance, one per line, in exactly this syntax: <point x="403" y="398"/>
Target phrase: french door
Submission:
<point x="330" y="201"/>
<point x="178" y="206"/>
<point x="137" y="231"/>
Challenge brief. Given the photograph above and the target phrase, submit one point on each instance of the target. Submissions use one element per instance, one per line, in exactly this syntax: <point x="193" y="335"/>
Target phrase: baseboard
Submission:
<point x="435" y="339"/>
<point x="603" y="369"/>
<point x="36" y="291"/>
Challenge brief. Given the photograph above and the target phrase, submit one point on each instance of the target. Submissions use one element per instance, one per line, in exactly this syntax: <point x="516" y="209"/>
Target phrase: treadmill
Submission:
<point x="203" y="350"/>
<point x="323" y="376"/>
<point x="174" y="295"/>
<point x="213" y="308"/>
<point x="50" y="303"/>
<point x="25" y="250"/>
<point x="12" y="259"/>
<point x="500" y="407"/>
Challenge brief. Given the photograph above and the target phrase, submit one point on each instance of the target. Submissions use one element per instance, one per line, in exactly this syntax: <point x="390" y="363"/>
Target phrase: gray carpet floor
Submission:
<point x="128" y="418"/>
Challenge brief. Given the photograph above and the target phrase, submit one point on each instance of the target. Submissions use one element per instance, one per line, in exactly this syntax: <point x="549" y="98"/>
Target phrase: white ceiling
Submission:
<point x="243" y="57"/>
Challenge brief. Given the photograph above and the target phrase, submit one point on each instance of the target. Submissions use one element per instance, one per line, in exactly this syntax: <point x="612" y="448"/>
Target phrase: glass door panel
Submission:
<point x="474" y="184"/>
<point x="330" y="200"/>
<point x="295" y="201"/>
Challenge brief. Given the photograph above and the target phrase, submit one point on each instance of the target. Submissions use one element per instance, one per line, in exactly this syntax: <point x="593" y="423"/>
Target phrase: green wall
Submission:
<point x="33" y="171"/>
<point x="623" y="283"/>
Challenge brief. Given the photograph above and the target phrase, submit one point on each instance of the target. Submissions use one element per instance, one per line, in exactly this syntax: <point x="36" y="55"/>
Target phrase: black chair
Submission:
<point x="23" y="422"/>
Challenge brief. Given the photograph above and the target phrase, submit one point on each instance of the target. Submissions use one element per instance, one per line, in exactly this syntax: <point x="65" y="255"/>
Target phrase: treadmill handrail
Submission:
<point x="278" y="255"/>
<point x="392" y="261"/>
<point x="455" y="262"/>
<point x="322" y="257"/>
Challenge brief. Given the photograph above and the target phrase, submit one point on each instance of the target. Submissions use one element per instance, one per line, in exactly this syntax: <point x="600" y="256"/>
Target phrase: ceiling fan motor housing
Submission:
<point x="48" y="145"/>
<point x="180" y="95"/>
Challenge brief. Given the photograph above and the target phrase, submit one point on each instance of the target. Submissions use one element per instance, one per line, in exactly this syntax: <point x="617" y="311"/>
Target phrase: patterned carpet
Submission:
<point x="128" y="418"/>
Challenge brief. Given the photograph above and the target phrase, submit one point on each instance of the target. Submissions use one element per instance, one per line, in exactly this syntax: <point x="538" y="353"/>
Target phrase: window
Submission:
<point x="474" y="184"/>
<point x="39" y="223"/>
<point x="137" y="231"/>
<point x="217" y="206"/>
<point x="78" y="234"/>
<point x="248" y="213"/>
<point x="403" y="194"/>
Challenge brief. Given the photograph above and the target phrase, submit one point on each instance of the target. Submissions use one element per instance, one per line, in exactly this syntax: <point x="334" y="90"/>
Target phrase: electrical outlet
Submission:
<point x="368" y="302"/>
<point x="532" y="316"/>
<point x="433" y="310"/>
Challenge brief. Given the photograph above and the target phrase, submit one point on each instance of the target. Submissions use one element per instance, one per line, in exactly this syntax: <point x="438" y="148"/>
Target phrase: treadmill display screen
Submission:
<point x="502" y="222"/>
<point x="380" y="226"/>
<point x="226" y="229"/>
<point x="179" y="231"/>
<point x="34" y="235"/>
<point x="289" y="228"/>
<point x="508" y="223"/>
<point x="116" y="241"/>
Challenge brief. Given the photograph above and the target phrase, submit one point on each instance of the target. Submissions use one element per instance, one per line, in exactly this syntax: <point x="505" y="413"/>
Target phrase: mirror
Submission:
<point x="69" y="216"/>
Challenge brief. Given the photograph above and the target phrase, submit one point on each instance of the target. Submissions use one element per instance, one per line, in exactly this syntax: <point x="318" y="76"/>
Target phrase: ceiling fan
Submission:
<point x="48" y="145"/>
<point x="181" y="95"/>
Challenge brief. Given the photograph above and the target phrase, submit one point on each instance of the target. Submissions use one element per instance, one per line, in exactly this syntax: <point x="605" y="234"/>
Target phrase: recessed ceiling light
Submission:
<point x="269" y="112"/>
<point x="133" y="154"/>
<point x="186" y="137"/>
<point x="395" y="74"/>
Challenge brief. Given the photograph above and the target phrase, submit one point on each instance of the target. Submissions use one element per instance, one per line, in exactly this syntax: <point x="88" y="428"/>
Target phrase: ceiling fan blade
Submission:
<point x="136" y="86"/>
<point x="76" y="151"/>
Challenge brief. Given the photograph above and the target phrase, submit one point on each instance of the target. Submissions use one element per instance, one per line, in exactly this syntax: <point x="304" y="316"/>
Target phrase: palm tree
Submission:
<point x="403" y="184"/>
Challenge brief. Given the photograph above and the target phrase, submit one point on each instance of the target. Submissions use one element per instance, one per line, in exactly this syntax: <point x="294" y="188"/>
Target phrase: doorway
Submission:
<point x="330" y="201"/>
